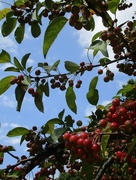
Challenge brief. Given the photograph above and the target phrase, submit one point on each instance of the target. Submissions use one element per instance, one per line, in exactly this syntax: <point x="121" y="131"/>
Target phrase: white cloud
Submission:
<point x="89" y="109"/>
<point x="3" y="67"/>
<point x="6" y="101"/>
<point x="13" y="140"/>
<point x="8" y="43"/>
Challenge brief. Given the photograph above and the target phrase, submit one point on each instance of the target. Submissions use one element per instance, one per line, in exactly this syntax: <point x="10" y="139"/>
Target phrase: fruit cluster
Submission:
<point x="82" y="146"/>
<point x="24" y="12"/>
<point x="123" y="45"/>
<point x="120" y="117"/>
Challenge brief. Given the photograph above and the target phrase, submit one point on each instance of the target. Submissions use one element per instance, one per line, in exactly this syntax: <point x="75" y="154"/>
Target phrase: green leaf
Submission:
<point x="4" y="57"/>
<point x="49" y="126"/>
<point x="87" y="169"/>
<point x="19" y="33"/>
<point x="93" y="96"/>
<point x="57" y="133"/>
<point x="104" y="61"/>
<point x="5" y="84"/>
<point x="12" y="69"/>
<point x="113" y="5"/>
<point x="61" y="114"/>
<point x="132" y="144"/>
<point x="48" y="4"/>
<point x="35" y="29"/>
<point x="8" y="26"/>
<point x="26" y="81"/>
<point x="89" y="24"/>
<point x="70" y="99"/>
<point x="108" y="21"/>
<point x="96" y="35"/>
<point x="19" y="94"/>
<point x="18" y="131"/>
<point x="93" y="83"/>
<point x="68" y="121"/>
<point x="17" y="64"/>
<point x="24" y="60"/>
<point x="11" y="148"/>
<point x="52" y="32"/>
<point x="3" y="12"/>
<point x="9" y="15"/>
<point x="104" y="142"/>
<point x="71" y="66"/>
<point x="125" y="89"/>
<point x="35" y="14"/>
<point x="100" y="46"/>
<point x="38" y="102"/>
<point x="45" y="88"/>
<point x="55" y="65"/>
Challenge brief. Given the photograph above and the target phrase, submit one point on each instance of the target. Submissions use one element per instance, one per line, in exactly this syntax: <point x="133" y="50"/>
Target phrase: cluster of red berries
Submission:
<point x="59" y="81"/>
<point x="82" y="146"/>
<point x="17" y="80"/>
<point x="109" y="75"/>
<point x="120" y="117"/>
<point x="85" y="67"/>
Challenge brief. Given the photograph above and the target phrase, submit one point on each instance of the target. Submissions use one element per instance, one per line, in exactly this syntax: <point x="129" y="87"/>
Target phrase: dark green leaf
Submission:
<point x="61" y="114"/>
<point x="70" y="99"/>
<point x="35" y="29"/>
<point x="55" y="65"/>
<point x="132" y="145"/>
<point x="24" y="60"/>
<point x="87" y="169"/>
<point x="18" y="131"/>
<point x="93" y="96"/>
<point x="38" y="102"/>
<point x="78" y="2"/>
<point x="12" y="69"/>
<point x="8" y="26"/>
<point x="104" y="61"/>
<point x="68" y="121"/>
<point x="52" y="32"/>
<point x="89" y="24"/>
<point x="4" y="57"/>
<point x="19" y="33"/>
<point x="5" y="84"/>
<point x="11" y="148"/>
<point x="113" y="5"/>
<point x="48" y="4"/>
<point x="29" y="69"/>
<point x="22" y="139"/>
<point x="19" y="93"/>
<point x="9" y="15"/>
<point x="71" y="66"/>
<point x="17" y="64"/>
<point x="108" y="21"/>
<point x="45" y="88"/>
<point x="93" y="83"/>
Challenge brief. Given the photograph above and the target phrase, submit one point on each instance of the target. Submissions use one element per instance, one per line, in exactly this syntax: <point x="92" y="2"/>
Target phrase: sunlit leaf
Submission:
<point x="70" y="99"/>
<point x="71" y="66"/>
<point x="100" y="46"/>
<point x="4" y="57"/>
<point x="52" y="32"/>
<point x="8" y="26"/>
<point x="18" y="131"/>
<point x="26" y="81"/>
<point x="13" y="69"/>
<point x="113" y="5"/>
<point x="5" y="84"/>
<point x="19" y="33"/>
<point x="3" y="12"/>
<point x="97" y="35"/>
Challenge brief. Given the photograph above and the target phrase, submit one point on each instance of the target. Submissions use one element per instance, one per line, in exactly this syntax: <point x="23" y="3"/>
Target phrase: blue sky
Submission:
<point x="70" y="45"/>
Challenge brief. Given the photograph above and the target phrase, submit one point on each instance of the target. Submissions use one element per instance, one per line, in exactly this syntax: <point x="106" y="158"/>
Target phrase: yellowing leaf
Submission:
<point x="3" y="12"/>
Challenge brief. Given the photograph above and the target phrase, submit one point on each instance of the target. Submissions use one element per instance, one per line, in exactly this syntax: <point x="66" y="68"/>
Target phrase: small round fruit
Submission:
<point x="96" y="148"/>
<point x="114" y="126"/>
<point x="102" y="123"/>
<point x="31" y="90"/>
<point x="73" y="139"/>
<point x="37" y="72"/>
<point x="79" y="123"/>
<point x="115" y="102"/>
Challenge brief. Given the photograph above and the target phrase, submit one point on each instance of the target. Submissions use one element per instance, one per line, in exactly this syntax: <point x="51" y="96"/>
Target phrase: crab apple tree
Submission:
<point x="65" y="147"/>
